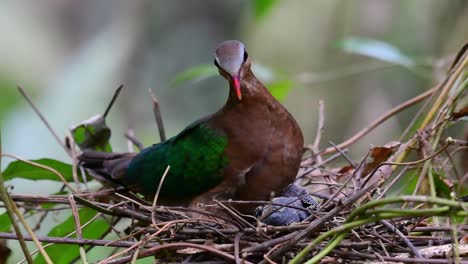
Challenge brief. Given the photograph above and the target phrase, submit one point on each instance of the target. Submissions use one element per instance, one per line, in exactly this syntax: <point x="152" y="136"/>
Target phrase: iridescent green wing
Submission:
<point x="196" y="157"/>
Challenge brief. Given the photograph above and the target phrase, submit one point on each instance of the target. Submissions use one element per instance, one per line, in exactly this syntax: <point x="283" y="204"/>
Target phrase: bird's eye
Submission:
<point x="245" y="56"/>
<point x="216" y="63"/>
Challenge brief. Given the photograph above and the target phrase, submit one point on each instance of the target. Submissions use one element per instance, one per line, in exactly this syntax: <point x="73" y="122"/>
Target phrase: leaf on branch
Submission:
<point x="379" y="155"/>
<point x="61" y="253"/>
<point x="375" y="49"/>
<point x="93" y="134"/>
<point x="20" y="169"/>
<point x="5" y="223"/>
<point x="463" y="113"/>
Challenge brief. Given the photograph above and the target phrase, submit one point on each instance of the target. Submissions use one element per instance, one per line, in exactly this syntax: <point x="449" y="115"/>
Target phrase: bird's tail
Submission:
<point x="110" y="166"/>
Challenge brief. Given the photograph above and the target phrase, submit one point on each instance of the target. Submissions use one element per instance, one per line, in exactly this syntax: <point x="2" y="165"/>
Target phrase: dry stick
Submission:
<point x="418" y="114"/>
<point x="347" y="158"/>
<point x="111" y="103"/>
<point x="317" y="166"/>
<point x="9" y="208"/>
<point x="381" y="119"/>
<point x="31" y="234"/>
<point x="79" y="234"/>
<point x="139" y="243"/>
<point x="392" y="228"/>
<point x="155" y="200"/>
<point x="347" y="181"/>
<point x="54" y="171"/>
<point x="321" y="122"/>
<point x="236" y="248"/>
<point x="74" y="241"/>
<point x="236" y="216"/>
<point x="157" y="116"/>
<point x="450" y="81"/>
<point x="153" y="250"/>
<point x="390" y="185"/>
<point x="445" y="86"/>
<point x="73" y="156"/>
<point x="43" y="119"/>
<point x="130" y="135"/>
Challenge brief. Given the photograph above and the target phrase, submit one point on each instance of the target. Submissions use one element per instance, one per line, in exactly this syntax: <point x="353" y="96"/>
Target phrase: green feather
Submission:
<point x="196" y="156"/>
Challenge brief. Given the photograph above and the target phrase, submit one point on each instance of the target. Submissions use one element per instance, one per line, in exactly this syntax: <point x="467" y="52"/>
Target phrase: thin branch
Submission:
<point x="43" y="119"/>
<point x="111" y="103"/>
<point x="155" y="200"/>
<point x="9" y="208"/>
<point x="158" y="116"/>
<point x="153" y="250"/>
<point x="74" y="241"/>
<point x="79" y="234"/>
<point x="321" y="123"/>
<point x="410" y="245"/>
<point x="381" y="119"/>
<point x="130" y="135"/>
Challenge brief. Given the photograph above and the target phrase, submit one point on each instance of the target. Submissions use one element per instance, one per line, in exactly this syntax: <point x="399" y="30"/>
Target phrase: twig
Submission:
<point x="31" y="234"/>
<point x="155" y="200"/>
<point x="337" y="148"/>
<point x="111" y="103"/>
<point x="74" y="241"/>
<point x="321" y="123"/>
<point x="392" y="228"/>
<point x="157" y="116"/>
<point x="130" y="135"/>
<point x="9" y="208"/>
<point x="236" y="247"/>
<point x="79" y="234"/>
<point x="381" y="119"/>
<point x="43" y="119"/>
<point x="153" y="250"/>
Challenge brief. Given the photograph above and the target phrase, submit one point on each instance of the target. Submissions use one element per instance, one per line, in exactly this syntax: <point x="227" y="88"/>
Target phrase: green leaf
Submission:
<point x="5" y="222"/>
<point x="405" y="185"/>
<point x="93" y="134"/>
<point x="280" y="89"/>
<point x="52" y="205"/>
<point x="442" y="189"/>
<point x="19" y="169"/>
<point x="375" y="49"/>
<point x="262" y="8"/>
<point x="61" y="253"/>
<point x="196" y="74"/>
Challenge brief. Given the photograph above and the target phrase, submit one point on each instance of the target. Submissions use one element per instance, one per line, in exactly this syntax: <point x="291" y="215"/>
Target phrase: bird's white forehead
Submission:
<point x="230" y="55"/>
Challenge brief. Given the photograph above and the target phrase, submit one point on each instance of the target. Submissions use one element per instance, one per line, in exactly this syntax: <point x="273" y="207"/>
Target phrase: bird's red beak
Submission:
<point x="237" y="86"/>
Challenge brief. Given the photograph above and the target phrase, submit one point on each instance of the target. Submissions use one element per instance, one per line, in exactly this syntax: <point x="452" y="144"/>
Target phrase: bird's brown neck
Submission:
<point x="251" y="88"/>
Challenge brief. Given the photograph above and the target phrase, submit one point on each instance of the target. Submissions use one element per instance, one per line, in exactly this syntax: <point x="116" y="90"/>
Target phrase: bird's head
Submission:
<point x="231" y="58"/>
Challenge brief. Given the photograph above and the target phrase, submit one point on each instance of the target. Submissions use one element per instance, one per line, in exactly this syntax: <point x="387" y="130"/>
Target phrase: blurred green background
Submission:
<point x="71" y="55"/>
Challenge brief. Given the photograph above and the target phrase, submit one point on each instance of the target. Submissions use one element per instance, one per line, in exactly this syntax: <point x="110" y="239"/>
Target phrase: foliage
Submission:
<point x="263" y="7"/>
<point x="95" y="230"/>
<point x="20" y="169"/>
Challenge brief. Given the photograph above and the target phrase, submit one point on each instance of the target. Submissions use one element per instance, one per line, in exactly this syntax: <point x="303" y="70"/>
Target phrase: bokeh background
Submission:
<point x="71" y="55"/>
